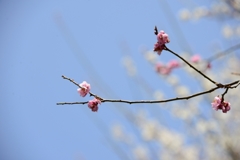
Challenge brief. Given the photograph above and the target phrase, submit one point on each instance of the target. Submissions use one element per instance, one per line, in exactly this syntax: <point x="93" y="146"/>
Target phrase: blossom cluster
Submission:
<point x="195" y="58"/>
<point x="162" y="39"/>
<point x="222" y="105"/>
<point x="166" y="69"/>
<point x="83" y="91"/>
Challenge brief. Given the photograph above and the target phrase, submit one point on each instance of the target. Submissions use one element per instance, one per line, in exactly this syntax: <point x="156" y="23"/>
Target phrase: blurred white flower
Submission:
<point x="220" y="8"/>
<point x="190" y="152"/>
<point x="172" y="79"/>
<point x="235" y="4"/>
<point x="141" y="153"/>
<point x="201" y="126"/>
<point x="227" y="31"/>
<point x="149" y="129"/>
<point x="117" y="131"/>
<point x="129" y="65"/>
<point x="185" y="14"/>
<point x="200" y="12"/>
<point x="237" y="30"/>
<point x="151" y="57"/>
<point x="158" y="95"/>
<point x="182" y="91"/>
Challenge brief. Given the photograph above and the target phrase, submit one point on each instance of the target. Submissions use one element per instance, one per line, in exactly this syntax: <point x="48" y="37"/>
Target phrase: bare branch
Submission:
<point x="71" y="103"/>
<point x="223" y="53"/>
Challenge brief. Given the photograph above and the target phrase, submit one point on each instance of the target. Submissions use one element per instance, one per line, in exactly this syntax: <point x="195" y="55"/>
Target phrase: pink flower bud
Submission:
<point x="93" y="104"/>
<point x="173" y="64"/>
<point x="162" y="39"/>
<point x="224" y="106"/>
<point x="158" y="48"/>
<point x="159" y="66"/>
<point x="162" y="69"/>
<point x="216" y="102"/>
<point x="165" y="71"/>
<point x="85" y="88"/>
<point x="195" y="58"/>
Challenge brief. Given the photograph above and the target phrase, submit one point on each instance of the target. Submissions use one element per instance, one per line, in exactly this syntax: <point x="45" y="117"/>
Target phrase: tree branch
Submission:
<point x="167" y="49"/>
<point x="227" y="86"/>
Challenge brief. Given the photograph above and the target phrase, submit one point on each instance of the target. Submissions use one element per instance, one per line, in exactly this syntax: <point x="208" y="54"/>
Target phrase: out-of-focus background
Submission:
<point x="109" y="44"/>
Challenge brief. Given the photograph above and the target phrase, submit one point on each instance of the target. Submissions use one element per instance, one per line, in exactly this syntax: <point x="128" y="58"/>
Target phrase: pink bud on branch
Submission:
<point x="222" y="105"/>
<point x="196" y="58"/>
<point x="85" y="88"/>
<point x="93" y="104"/>
<point x="173" y="64"/>
<point x="162" y="39"/>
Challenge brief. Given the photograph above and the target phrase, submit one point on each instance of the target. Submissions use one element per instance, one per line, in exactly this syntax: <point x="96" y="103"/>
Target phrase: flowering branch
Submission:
<point x="71" y="80"/>
<point x="227" y="86"/>
<point x="162" y="39"/>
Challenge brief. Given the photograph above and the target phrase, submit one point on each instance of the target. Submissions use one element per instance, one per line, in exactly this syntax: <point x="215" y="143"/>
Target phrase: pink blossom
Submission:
<point x="173" y="64"/>
<point x="93" y="104"/>
<point x="159" y="66"/>
<point x="162" y="39"/>
<point x="216" y="102"/>
<point x="196" y="58"/>
<point x="163" y="69"/>
<point x="224" y="106"/>
<point x="85" y="88"/>
<point x="158" y="48"/>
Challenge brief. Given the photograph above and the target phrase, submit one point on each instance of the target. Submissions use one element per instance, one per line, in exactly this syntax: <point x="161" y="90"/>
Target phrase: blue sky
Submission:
<point x="42" y="40"/>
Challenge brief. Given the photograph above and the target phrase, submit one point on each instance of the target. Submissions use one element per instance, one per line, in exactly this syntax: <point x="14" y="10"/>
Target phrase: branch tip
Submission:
<point x="155" y="30"/>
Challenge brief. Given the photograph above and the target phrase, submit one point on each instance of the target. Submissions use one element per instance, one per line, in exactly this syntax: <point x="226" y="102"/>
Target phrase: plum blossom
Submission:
<point x="166" y="69"/>
<point x="158" y="48"/>
<point x="163" y="69"/>
<point x="173" y="64"/>
<point x="196" y="58"/>
<point x="93" y="104"/>
<point x="162" y="39"/>
<point x="85" y="88"/>
<point x="218" y="104"/>
<point x="225" y="107"/>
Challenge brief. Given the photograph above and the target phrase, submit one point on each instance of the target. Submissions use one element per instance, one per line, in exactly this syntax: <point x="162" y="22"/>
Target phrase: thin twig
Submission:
<point x="71" y="103"/>
<point x="223" y="53"/>
<point x="71" y="80"/>
<point x="238" y="74"/>
<point x="224" y="94"/>
<point x="155" y="30"/>
<point x="145" y="101"/>
<point x="167" y="49"/>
